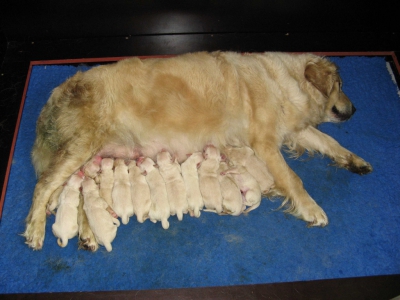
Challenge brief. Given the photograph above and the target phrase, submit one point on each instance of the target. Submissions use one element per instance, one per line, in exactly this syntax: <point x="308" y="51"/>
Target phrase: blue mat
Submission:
<point x="362" y="239"/>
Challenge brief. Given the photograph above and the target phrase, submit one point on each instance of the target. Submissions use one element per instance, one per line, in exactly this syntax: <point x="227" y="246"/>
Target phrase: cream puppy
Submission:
<point x="102" y="223"/>
<point x="208" y="179"/>
<point x="244" y="156"/>
<point x="92" y="167"/>
<point x="191" y="178"/>
<point x="87" y="240"/>
<point x="107" y="179"/>
<point x="232" y="201"/>
<point x="159" y="210"/>
<point x="66" y="224"/>
<point x="121" y="193"/>
<point x="170" y="171"/>
<point x="140" y="192"/>
<point x="248" y="186"/>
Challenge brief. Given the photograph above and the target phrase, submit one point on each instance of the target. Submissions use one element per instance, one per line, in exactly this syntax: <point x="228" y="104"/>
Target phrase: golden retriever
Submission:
<point x="139" y="107"/>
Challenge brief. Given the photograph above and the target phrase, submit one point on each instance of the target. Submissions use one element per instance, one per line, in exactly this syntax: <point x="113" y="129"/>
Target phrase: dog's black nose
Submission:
<point x="353" y="110"/>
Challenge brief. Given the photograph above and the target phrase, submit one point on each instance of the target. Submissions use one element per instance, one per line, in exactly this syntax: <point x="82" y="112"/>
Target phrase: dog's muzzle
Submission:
<point x="343" y="116"/>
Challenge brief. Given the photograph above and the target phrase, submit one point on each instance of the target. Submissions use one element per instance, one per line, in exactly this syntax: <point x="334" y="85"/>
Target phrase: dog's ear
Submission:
<point x="322" y="74"/>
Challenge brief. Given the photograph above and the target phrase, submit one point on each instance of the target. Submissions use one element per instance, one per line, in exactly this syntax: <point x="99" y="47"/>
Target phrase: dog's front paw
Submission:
<point x="357" y="165"/>
<point x="360" y="169"/>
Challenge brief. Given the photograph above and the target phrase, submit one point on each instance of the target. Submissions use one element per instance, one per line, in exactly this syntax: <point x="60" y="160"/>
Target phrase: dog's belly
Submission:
<point x="178" y="148"/>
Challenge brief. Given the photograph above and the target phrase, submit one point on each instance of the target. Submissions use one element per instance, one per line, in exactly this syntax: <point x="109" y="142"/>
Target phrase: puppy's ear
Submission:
<point x="322" y="74"/>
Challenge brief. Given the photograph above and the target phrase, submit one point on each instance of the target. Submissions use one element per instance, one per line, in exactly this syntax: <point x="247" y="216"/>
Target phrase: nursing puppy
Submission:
<point x="208" y="179"/>
<point x="248" y="186"/>
<point x="139" y="107"/>
<point x="190" y="176"/>
<point x="66" y="224"/>
<point x="232" y="201"/>
<point x="102" y="223"/>
<point x="92" y="167"/>
<point x="140" y="192"/>
<point x="87" y="240"/>
<point x="159" y="209"/>
<point x="170" y="171"/>
<point x="107" y="180"/>
<point x="244" y="156"/>
<point x="121" y="193"/>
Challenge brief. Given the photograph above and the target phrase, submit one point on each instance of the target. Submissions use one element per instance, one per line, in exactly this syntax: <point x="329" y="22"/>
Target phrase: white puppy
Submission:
<point x="232" y="201"/>
<point x="66" y="224"/>
<point x="102" y="223"/>
<point x="190" y="176"/>
<point x="170" y="171"/>
<point x="159" y="210"/>
<point x="107" y="180"/>
<point x="244" y="156"/>
<point x="121" y="193"/>
<point x="248" y="186"/>
<point x="208" y="179"/>
<point x="140" y="192"/>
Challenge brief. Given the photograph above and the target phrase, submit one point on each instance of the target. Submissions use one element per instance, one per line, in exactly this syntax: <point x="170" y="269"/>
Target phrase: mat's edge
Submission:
<point x="11" y="155"/>
<point x="371" y="287"/>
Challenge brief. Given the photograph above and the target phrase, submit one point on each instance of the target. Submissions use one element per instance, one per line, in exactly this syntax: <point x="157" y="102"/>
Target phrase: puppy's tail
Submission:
<point x="179" y="214"/>
<point x="125" y="220"/>
<point x="62" y="242"/>
<point x="196" y="212"/>
<point x="108" y="247"/>
<point x="165" y="223"/>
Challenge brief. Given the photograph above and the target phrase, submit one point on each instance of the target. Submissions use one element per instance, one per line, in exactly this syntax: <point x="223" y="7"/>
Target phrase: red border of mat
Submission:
<point x="114" y="59"/>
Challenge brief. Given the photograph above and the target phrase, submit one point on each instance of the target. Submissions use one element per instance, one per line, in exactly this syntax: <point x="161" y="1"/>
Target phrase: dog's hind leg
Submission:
<point x="62" y="167"/>
<point x="289" y="185"/>
<point x="312" y="139"/>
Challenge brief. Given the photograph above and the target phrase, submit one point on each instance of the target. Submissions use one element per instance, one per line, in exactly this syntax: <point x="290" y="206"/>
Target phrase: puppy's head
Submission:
<point x="211" y="152"/>
<point x="164" y="158"/>
<point x="323" y="75"/>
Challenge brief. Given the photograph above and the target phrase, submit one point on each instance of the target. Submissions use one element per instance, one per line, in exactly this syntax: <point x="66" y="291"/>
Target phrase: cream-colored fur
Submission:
<point x="247" y="184"/>
<point x="102" y="223"/>
<point x="190" y="176"/>
<point x="87" y="239"/>
<point x="139" y="107"/>
<point x="244" y="156"/>
<point x="159" y="209"/>
<point x="121" y="193"/>
<point x="170" y="171"/>
<point x="107" y="180"/>
<point x="208" y="179"/>
<point x="232" y="201"/>
<point x="65" y="226"/>
<point x="140" y="192"/>
<point x="92" y="167"/>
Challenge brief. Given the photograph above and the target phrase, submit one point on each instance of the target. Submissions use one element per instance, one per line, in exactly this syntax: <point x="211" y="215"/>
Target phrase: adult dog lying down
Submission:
<point x="139" y="107"/>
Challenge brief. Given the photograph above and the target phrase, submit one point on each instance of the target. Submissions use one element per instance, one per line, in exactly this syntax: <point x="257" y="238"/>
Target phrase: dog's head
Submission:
<point x="323" y="75"/>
